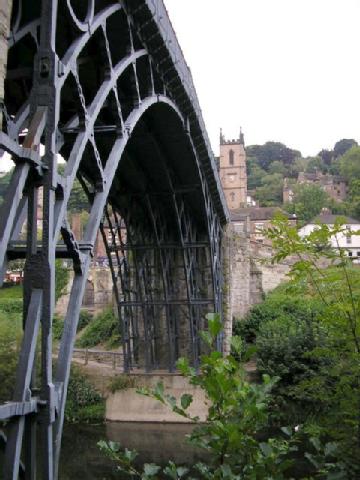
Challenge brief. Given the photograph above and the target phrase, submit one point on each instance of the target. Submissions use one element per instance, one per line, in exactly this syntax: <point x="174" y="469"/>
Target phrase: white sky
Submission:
<point x="284" y="70"/>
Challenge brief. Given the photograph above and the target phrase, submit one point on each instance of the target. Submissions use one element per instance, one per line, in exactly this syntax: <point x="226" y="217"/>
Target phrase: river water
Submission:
<point x="81" y="458"/>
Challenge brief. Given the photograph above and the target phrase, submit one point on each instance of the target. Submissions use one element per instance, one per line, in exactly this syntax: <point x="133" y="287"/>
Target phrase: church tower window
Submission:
<point x="231" y="157"/>
<point x="232" y="196"/>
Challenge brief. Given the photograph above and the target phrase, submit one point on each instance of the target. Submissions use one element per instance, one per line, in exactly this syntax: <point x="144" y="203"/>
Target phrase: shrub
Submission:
<point x="62" y="275"/>
<point x="58" y="327"/>
<point x="280" y="303"/>
<point x="84" y="319"/>
<point x="58" y="323"/>
<point x="10" y="337"/>
<point x="121" y="382"/>
<point x="284" y="347"/>
<point x="104" y="328"/>
<point x="84" y="402"/>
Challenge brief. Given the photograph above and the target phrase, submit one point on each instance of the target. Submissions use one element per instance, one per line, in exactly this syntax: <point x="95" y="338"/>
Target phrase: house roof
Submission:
<point x="329" y="219"/>
<point x="256" y="213"/>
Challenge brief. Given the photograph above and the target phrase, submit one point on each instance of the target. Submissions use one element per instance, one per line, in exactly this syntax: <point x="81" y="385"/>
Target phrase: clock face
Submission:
<point x="231" y="178"/>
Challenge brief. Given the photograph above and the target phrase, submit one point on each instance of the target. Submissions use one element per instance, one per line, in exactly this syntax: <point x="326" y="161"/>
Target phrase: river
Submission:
<point x="82" y="459"/>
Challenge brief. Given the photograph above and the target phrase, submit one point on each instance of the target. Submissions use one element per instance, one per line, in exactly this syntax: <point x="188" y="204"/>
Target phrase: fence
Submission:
<point x="100" y="356"/>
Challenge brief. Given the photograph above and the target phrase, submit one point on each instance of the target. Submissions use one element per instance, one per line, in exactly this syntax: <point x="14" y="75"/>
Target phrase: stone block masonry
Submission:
<point x="144" y="409"/>
<point x="248" y="275"/>
<point x="98" y="292"/>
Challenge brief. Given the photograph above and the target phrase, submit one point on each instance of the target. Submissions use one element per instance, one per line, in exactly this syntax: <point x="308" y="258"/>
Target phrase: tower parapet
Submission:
<point x="236" y="141"/>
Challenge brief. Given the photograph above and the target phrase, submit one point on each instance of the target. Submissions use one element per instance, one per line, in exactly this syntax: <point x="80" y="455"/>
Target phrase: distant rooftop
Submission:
<point x="329" y="219"/>
<point x="257" y="213"/>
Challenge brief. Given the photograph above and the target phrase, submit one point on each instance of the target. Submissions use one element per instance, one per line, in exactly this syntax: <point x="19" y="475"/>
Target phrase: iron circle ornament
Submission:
<point x="75" y="6"/>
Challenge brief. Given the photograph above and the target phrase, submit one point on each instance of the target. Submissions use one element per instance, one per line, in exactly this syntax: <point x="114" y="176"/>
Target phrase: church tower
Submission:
<point x="233" y="171"/>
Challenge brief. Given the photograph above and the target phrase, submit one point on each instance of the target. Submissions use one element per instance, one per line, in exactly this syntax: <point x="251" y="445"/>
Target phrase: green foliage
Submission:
<point x="78" y="201"/>
<point x="283" y="346"/>
<point x="237" y="414"/>
<point x="279" y="304"/>
<point x="11" y="299"/>
<point x="326" y="156"/>
<point x="342" y="146"/>
<point x="58" y="327"/>
<point x="121" y="382"/>
<point x="58" y="323"/>
<point x="10" y="338"/>
<point x="270" y="152"/>
<point x="333" y="388"/>
<point x="11" y="305"/>
<point x="315" y="164"/>
<point x="270" y="191"/>
<point x="350" y="164"/>
<point x="15" y="291"/>
<point x="352" y="206"/>
<point x="4" y="182"/>
<point x="84" y="403"/>
<point x="308" y="202"/>
<point x="277" y="167"/>
<point x="254" y="174"/>
<point x="104" y="328"/>
<point x="85" y="318"/>
<point x="62" y="275"/>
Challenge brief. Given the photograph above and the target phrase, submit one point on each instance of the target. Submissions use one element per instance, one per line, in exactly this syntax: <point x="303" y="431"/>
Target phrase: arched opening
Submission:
<point x="88" y="300"/>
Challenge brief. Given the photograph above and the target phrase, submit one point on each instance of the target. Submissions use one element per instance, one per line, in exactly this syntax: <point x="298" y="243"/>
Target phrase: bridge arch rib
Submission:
<point x="104" y="85"/>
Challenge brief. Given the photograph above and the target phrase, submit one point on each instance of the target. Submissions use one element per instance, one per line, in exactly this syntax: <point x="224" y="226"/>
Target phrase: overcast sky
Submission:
<point x="284" y="70"/>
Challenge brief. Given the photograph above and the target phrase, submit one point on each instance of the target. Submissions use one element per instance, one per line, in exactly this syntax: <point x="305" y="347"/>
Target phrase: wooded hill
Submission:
<point x="269" y="164"/>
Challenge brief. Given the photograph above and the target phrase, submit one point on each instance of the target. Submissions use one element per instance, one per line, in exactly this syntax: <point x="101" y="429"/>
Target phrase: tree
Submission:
<point x="298" y="166"/>
<point x="254" y="174"/>
<point x="353" y="200"/>
<point x="342" y="146"/>
<point x="350" y="164"/>
<point x="277" y="167"/>
<point x="326" y="156"/>
<point x="315" y="164"/>
<point x="62" y="275"/>
<point x="78" y="201"/>
<point x="270" y="192"/>
<point x="308" y="201"/>
<point x="271" y="151"/>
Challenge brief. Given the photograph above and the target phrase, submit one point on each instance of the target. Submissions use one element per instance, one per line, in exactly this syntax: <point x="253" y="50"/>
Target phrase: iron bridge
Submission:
<point x="98" y="92"/>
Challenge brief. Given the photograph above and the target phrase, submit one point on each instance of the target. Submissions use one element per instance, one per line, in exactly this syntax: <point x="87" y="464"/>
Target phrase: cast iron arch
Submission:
<point x="91" y="81"/>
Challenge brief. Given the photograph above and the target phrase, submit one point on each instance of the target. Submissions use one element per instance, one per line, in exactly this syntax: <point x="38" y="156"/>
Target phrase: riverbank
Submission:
<point x="126" y="405"/>
<point x="155" y="442"/>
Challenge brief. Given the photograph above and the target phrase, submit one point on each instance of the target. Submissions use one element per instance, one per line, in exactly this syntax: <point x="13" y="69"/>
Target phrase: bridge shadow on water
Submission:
<point x="155" y="442"/>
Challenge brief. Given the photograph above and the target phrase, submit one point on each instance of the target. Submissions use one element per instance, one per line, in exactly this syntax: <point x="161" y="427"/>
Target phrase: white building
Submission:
<point x="343" y="240"/>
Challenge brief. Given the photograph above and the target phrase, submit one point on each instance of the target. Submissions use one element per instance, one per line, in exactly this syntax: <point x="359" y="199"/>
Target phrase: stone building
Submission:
<point x="334" y="185"/>
<point x="255" y="220"/>
<point x="232" y="169"/>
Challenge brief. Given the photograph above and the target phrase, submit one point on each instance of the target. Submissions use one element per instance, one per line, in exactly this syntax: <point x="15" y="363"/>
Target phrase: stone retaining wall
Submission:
<point x="128" y="406"/>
